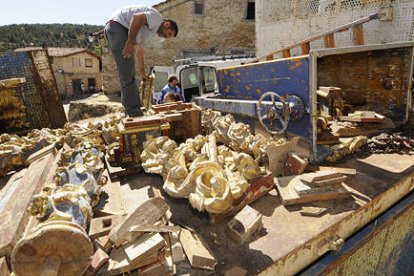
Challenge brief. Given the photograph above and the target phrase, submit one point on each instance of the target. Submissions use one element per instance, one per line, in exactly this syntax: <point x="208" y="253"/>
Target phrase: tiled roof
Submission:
<point x="162" y="3"/>
<point x="58" y="52"/>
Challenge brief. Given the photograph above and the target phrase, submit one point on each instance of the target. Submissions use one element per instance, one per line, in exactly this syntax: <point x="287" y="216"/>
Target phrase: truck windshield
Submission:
<point x="210" y="79"/>
<point x="161" y="79"/>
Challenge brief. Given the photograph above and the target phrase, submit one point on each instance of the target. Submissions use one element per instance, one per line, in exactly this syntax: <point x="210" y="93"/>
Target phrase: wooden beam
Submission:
<point x="318" y="36"/>
<point x="17" y="196"/>
<point x="305" y="48"/>
<point x="329" y="41"/>
<point x="358" y="34"/>
<point x="197" y="251"/>
<point x="286" y="53"/>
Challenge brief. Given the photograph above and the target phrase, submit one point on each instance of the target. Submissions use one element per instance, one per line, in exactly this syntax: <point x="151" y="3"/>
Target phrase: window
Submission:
<point x="198" y="7"/>
<point x="88" y="62"/>
<point x="209" y="79"/>
<point x="91" y="82"/>
<point x="251" y="10"/>
<point x="161" y="78"/>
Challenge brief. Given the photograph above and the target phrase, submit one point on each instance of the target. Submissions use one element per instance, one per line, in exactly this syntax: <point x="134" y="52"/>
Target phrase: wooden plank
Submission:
<point x="347" y="171"/>
<point x="286" y="53"/>
<point x="244" y="224"/>
<point x="168" y="261"/>
<point x="305" y="48"/>
<point x="146" y="213"/>
<point x="104" y="243"/>
<point x="312" y="211"/>
<point x="147" y="245"/>
<point x="100" y="227"/>
<point x="320" y="175"/>
<point x="177" y="250"/>
<point x="329" y="40"/>
<point x="119" y="262"/>
<point x="295" y="165"/>
<point x="269" y="57"/>
<point x="287" y="190"/>
<point x="111" y="202"/>
<point x="331" y="181"/>
<point x="197" y="251"/>
<point x="4" y="269"/>
<point x="143" y="121"/>
<point x="304" y="189"/>
<point x="99" y="259"/>
<point x="17" y="197"/>
<point x="156" y="228"/>
<point x="41" y="153"/>
<point x="358" y="34"/>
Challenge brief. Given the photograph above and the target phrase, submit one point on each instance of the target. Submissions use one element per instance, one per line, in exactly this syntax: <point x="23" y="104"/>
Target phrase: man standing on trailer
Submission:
<point x="133" y="26"/>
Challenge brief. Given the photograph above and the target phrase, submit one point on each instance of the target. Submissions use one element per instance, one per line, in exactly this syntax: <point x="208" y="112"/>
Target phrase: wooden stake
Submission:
<point x="358" y="34"/>
<point x="305" y="47"/>
<point x="329" y="41"/>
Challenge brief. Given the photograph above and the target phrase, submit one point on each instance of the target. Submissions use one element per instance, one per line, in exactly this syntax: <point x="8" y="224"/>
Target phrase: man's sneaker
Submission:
<point x="138" y="114"/>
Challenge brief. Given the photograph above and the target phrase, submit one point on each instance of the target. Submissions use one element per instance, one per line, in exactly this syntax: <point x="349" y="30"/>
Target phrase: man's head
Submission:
<point x="172" y="80"/>
<point x="168" y="29"/>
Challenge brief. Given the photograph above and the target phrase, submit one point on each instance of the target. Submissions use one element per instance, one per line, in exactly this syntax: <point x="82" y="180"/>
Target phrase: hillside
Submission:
<point x="53" y="35"/>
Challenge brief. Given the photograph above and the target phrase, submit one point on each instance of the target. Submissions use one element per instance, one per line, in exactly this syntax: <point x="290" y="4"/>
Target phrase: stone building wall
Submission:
<point x="222" y="30"/>
<point x="80" y="66"/>
<point x="281" y="23"/>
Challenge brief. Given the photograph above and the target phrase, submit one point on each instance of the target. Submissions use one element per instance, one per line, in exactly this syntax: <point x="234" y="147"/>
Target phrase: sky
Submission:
<point x="95" y="12"/>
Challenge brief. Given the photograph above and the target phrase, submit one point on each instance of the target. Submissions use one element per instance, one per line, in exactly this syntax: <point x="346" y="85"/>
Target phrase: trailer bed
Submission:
<point x="290" y="241"/>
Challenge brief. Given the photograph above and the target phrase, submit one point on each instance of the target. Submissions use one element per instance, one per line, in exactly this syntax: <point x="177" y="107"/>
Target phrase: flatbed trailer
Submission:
<point x="371" y="232"/>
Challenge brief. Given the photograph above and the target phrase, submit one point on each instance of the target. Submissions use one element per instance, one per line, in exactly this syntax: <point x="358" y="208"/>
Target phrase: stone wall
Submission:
<point x="281" y="23"/>
<point x="222" y="30"/>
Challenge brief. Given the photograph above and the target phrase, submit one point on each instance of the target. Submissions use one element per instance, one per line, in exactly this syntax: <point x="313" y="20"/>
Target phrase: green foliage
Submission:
<point x="53" y="35"/>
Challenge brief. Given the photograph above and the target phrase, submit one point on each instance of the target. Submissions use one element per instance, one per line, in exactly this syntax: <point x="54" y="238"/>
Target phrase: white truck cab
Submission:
<point x="196" y="78"/>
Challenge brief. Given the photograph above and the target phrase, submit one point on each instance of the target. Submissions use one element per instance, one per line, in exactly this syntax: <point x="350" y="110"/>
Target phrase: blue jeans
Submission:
<point x="116" y="35"/>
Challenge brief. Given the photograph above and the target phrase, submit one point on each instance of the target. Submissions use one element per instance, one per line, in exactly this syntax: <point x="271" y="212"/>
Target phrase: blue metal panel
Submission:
<point x="249" y="82"/>
<point x="245" y="84"/>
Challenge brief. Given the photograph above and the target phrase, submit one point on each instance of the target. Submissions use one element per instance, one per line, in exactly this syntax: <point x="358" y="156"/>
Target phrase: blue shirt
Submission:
<point x="169" y="89"/>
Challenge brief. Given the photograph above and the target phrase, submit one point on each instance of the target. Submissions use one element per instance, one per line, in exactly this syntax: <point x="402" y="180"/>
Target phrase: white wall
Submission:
<point x="280" y="23"/>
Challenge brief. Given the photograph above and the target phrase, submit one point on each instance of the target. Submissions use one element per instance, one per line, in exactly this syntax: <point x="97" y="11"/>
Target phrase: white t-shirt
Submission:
<point x="154" y="19"/>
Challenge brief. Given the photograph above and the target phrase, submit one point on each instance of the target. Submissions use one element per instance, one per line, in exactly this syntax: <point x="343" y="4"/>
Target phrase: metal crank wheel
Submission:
<point x="273" y="113"/>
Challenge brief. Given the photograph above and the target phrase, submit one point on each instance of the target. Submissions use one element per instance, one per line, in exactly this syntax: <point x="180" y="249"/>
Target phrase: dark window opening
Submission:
<point x="251" y="10"/>
<point x="77" y="86"/>
<point x="88" y="62"/>
<point x="198" y="7"/>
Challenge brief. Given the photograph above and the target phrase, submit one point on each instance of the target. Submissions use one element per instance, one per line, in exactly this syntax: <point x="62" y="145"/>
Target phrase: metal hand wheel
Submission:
<point x="273" y="113"/>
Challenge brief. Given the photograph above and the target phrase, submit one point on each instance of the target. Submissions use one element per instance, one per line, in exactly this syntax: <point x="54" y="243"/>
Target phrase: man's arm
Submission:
<point x="163" y="92"/>
<point x="180" y="94"/>
<point x="141" y="63"/>
<point x="137" y="21"/>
